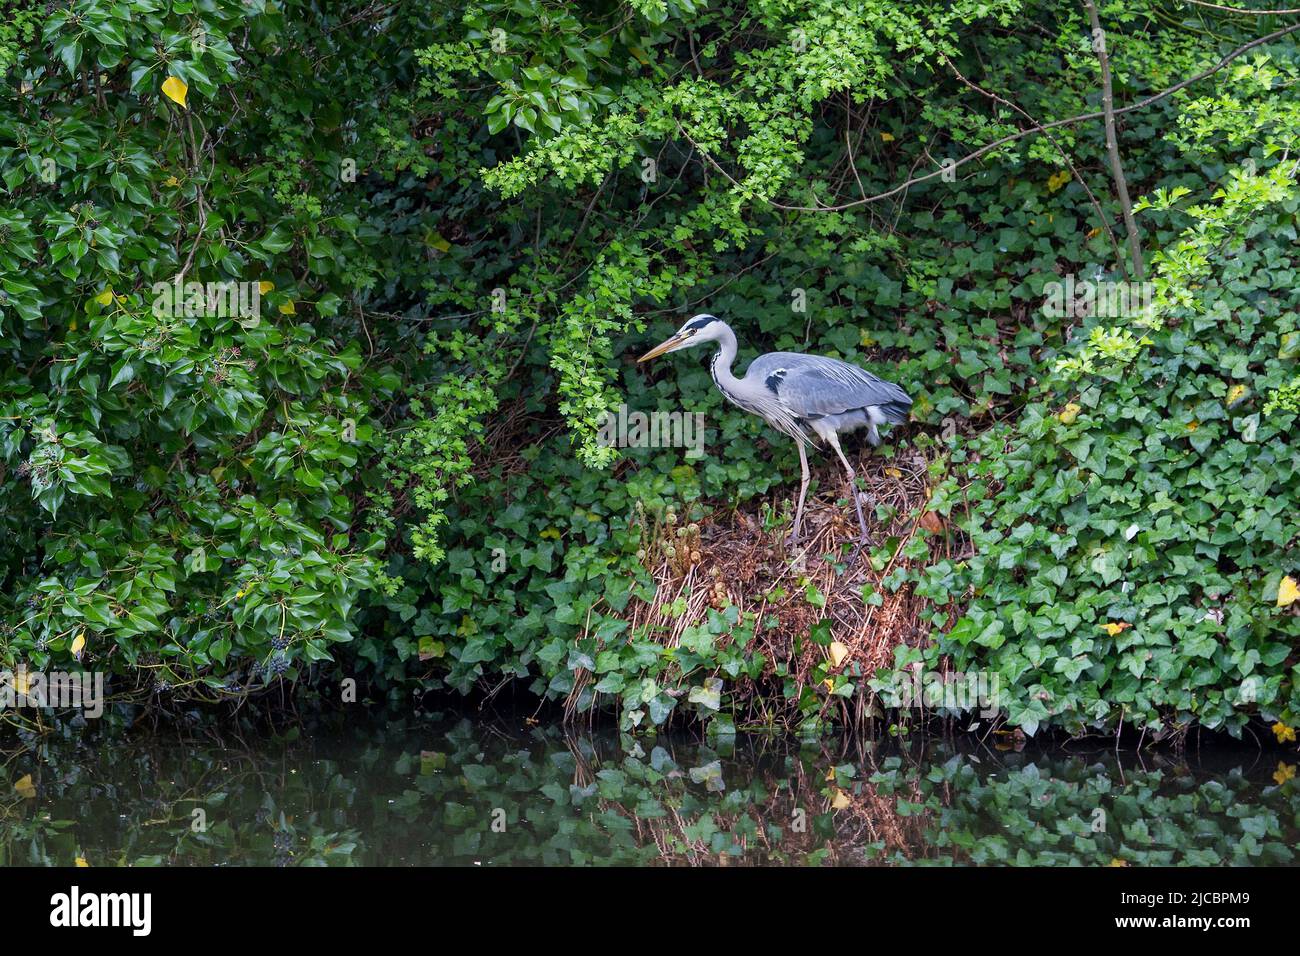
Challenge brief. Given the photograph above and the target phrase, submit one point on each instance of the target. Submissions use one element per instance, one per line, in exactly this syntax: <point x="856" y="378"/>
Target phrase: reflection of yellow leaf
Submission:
<point x="431" y="761"/>
<point x="25" y="788"/>
<point x="1069" y="413"/>
<point x="838" y="653"/>
<point x="1287" y="591"/>
<point x="1116" y="861"/>
<point x="1283" y="773"/>
<point x="1116" y="627"/>
<point x="841" y="800"/>
<point x="175" y="89"/>
<point x="78" y="644"/>
<point x="1283" y="733"/>
<point x="81" y="861"/>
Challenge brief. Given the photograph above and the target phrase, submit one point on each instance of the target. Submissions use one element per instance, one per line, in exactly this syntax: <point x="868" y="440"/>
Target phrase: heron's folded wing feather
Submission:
<point x="813" y="385"/>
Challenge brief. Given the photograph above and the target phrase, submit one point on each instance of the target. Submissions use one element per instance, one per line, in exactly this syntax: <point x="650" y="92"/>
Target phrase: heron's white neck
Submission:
<point x="722" y="360"/>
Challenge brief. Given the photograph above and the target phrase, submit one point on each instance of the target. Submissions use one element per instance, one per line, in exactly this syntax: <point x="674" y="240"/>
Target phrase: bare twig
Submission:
<point x="1260" y="13"/>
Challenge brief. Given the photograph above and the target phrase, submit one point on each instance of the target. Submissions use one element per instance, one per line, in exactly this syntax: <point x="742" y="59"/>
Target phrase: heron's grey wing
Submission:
<point x="813" y="386"/>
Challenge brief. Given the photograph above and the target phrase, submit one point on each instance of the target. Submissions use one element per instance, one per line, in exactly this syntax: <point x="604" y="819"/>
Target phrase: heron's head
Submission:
<point x="698" y="330"/>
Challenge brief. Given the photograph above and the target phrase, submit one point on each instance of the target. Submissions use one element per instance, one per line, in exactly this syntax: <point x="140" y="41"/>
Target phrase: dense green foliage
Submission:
<point x="462" y="222"/>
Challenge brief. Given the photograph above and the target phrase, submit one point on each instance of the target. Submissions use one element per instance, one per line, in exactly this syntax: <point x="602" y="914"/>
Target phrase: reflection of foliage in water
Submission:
<point x="1080" y="811"/>
<point x="464" y="794"/>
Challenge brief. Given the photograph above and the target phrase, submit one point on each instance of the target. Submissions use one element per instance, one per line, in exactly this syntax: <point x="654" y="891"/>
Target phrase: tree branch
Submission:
<point x="1014" y="137"/>
<point x="1065" y="157"/>
<point x="1112" y="141"/>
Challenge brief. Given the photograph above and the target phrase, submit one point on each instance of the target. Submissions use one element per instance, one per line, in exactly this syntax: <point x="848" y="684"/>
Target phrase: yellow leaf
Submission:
<point x="1093" y="233"/>
<point x="886" y="137"/>
<point x="893" y="473"/>
<point x="1116" y="861"/>
<point x="81" y="861"/>
<point x="1287" y="591"/>
<point x="105" y="297"/>
<point x="1283" y="733"/>
<point x="640" y="55"/>
<point x="436" y="240"/>
<point x="22" y="681"/>
<point x="1283" y="773"/>
<point x="1057" y="180"/>
<point x="1236" y="394"/>
<point x="841" y="800"/>
<point x="25" y="788"/>
<point x="173" y="181"/>
<point x="1193" y="425"/>
<point x="1069" y="413"/>
<point x="287" y="308"/>
<point x="78" y="644"/>
<point x="1117" y="627"/>
<point x="838" y="653"/>
<point x="264" y="287"/>
<point x="176" y="89"/>
<point x="72" y="326"/>
<point x="550" y="533"/>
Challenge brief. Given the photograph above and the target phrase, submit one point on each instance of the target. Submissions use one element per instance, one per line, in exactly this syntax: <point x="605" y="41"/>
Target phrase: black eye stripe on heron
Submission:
<point x="807" y="397"/>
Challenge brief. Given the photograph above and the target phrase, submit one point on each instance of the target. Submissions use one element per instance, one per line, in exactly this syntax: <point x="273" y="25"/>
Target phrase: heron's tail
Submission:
<point x="895" y="411"/>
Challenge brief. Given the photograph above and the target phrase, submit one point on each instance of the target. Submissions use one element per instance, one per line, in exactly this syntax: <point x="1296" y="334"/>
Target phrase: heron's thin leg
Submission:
<point x="803" y="490"/>
<point x="834" y="440"/>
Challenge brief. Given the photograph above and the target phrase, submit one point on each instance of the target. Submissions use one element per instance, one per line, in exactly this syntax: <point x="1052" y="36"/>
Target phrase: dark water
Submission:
<point x="469" y="793"/>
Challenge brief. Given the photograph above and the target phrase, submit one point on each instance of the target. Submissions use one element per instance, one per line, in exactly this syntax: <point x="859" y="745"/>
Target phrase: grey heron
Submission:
<point x="807" y="397"/>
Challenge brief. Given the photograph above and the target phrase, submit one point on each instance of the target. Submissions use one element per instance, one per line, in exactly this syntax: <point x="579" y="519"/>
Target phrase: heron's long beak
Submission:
<point x="662" y="347"/>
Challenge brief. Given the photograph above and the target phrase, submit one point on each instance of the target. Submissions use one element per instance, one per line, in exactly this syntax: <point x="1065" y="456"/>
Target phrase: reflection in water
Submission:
<point x="457" y="792"/>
